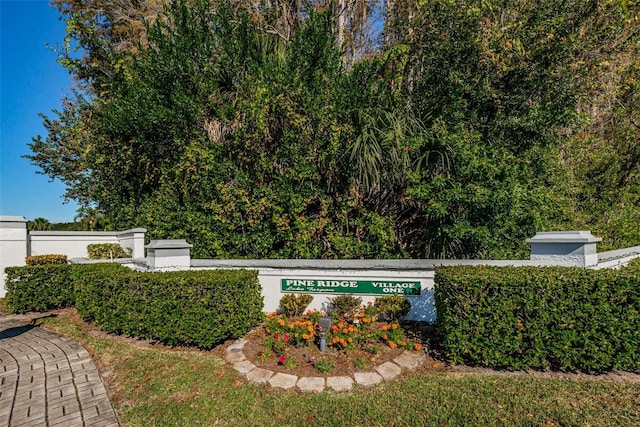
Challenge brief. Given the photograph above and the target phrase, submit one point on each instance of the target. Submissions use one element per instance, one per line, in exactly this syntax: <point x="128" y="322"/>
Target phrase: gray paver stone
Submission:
<point x="244" y="367"/>
<point x="367" y="379"/>
<point x="235" y="357"/>
<point x="259" y="375"/>
<point x="38" y="421"/>
<point x="340" y="383"/>
<point x="308" y="384"/>
<point x="408" y="360"/>
<point x="236" y="346"/>
<point x="67" y="421"/>
<point x="42" y="376"/>
<point x="389" y="370"/>
<point x="285" y="381"/>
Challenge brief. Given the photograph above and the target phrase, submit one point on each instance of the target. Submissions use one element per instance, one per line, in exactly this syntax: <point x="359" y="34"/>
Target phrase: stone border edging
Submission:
<point x="384" y="372"/>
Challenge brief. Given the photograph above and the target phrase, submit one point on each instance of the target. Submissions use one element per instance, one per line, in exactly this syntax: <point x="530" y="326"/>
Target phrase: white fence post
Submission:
<point x="565" y="248"/>
<point x="169" y="255"/>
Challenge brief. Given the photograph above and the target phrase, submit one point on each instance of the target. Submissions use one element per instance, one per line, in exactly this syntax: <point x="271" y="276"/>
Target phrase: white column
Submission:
<point x="13" y="245"/>
<point x="133" y="239"/>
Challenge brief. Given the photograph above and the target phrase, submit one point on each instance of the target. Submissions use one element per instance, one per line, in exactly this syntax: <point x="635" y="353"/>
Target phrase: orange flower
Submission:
<point x="280" y="322"/>
<point x="350" y="339"/>
<point x="418" y="346"/>
<point x="394" y="326"/>
<point x="385" y="336"/>
<point x="392" y="344"/>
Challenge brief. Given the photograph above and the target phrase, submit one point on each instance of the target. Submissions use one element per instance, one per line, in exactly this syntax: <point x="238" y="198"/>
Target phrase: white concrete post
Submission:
<point x="133" y="239"/>
<point x="565" y="248"/>
<point x="13" y="245"/>
<point x="169" y="255"/>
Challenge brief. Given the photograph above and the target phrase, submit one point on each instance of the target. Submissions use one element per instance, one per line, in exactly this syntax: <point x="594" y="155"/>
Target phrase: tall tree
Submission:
<point x="282" y="129"/>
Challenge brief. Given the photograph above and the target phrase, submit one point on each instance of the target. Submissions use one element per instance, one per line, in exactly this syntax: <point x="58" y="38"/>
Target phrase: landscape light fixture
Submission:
<point x="325" y="323"/>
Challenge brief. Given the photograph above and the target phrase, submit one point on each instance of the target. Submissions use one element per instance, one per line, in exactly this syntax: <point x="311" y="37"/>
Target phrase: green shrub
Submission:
<point x="553" y="317"/>
<point x="345" y="305"/>
<point x="107" y="251"/>
<point x="634" y="265"/>
<point x="46" y="259"/>
<point x="392" y="307"/>
<point x="38" y="288"/>
<point x="197" y="308"/>
<point x="293" y="305"/>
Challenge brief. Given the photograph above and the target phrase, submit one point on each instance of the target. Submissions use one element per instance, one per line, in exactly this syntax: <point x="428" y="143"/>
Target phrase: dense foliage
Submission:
<point x="524" y="317"/>
<point x="286" y="130"/>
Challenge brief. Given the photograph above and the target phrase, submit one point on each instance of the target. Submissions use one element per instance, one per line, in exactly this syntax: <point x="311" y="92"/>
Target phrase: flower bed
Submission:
<point x="357" y="341"/>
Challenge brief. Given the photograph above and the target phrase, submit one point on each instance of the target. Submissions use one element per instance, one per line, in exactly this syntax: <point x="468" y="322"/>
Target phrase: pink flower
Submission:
<point x="282" y="359"/>
<point x="286" y="337"/>
<point x="276" y="336"/>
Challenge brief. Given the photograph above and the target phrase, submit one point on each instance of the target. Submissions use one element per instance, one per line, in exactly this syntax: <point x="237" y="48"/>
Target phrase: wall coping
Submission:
<point x="75" y="233"/>
<point x="618" y="253"/>
<point x="366" y="264"/>
<point x="169" y="244"/>
<point x="564" y="237"/>
<point x="86" y="233"/>
<point x="132" y="231"/>
<point x="12" y="218"/>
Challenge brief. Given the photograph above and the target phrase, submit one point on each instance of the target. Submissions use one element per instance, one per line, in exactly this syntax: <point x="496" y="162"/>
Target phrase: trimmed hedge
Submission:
<point x="39" y="287"/>
<point x="107" y="251"/>
<point x="552" y="317"/>
<point x="201" y="308"/>
<point x="46" y="259"/>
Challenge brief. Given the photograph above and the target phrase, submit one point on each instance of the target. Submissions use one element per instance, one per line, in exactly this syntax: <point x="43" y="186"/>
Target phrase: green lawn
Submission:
<point x="159" y="387"/>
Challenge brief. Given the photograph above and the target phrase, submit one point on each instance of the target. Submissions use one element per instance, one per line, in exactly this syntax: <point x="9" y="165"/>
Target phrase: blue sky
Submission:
<point x="32" y="82"/>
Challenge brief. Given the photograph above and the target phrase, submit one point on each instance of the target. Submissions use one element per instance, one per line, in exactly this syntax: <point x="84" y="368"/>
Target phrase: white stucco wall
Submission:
<point x="73" y="244"/>
<point x="272" y="272"/>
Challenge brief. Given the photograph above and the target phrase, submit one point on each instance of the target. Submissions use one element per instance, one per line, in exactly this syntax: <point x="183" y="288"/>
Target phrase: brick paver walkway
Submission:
<point x="47" y="379"/>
